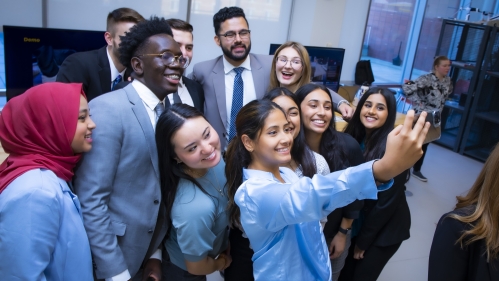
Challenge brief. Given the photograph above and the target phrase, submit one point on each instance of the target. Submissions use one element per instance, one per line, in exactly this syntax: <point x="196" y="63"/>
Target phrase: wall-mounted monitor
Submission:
<point x="33" y="55"/>
<point x="326" y="64"/>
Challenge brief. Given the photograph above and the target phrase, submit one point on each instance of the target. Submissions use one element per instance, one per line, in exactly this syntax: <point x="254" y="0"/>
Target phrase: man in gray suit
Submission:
<point x="118" y="181"/>
<point x="236" y="78"/>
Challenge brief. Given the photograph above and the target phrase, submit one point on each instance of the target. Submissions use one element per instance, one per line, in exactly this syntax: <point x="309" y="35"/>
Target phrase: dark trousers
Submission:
<point x="173" y="272"/>
<point x="241" y="268"/>
<point x="417" y="166"/>
<point x="369" y="268"/>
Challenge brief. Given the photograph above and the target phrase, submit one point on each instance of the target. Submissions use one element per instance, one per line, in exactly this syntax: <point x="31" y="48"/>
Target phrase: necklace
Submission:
<point x="217" y="187"/>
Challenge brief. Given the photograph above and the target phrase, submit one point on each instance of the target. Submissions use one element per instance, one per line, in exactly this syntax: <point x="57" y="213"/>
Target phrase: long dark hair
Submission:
<point x="170" y="172"/>
<point x="249" y="121"/>
<point x="375" y="143"/>
<point x="332" y="146"/>
<point x="300" y="152"/>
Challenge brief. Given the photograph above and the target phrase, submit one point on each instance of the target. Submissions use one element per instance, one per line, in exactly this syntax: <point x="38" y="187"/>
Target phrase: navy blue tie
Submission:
<point x="237" y="100"/>
<point x="116" y="81"/>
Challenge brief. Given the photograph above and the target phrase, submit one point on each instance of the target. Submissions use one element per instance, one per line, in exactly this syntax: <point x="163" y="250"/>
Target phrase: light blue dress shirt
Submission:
<point x="281" y="220"/>
<point x="200" y="221"/>
<point x="41" y="231"/>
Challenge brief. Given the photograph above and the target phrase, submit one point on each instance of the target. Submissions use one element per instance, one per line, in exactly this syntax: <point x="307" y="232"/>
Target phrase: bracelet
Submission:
<point x="341" y="102"/>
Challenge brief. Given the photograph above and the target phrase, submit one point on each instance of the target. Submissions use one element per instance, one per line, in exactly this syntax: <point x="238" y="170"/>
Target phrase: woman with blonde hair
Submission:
<point x="291" y="69"/>
<point x="466" y="242"/>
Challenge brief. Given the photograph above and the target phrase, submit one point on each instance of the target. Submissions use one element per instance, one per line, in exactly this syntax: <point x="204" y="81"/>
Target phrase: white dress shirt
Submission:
<point x="183" y="93"/>
<point x="114" y="70"/>
<point x="150" y="100"/>
<point x="249" y="92"/>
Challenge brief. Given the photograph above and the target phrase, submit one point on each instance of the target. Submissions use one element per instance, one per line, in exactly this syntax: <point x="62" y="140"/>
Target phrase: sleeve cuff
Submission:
<point x="157" y="255"/>
<point x="124" y="276"/>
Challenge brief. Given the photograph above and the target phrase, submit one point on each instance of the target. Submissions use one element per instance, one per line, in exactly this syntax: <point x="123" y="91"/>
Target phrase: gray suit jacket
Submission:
<point x="118" y="185"/>
<point x="210" y="74"/>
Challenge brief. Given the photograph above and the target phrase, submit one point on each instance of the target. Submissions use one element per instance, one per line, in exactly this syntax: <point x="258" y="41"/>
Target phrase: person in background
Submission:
<point x="42" y="237"/>
<point x="465" y="246"/>
<point x="280" y="212"/>
<point x="194" y="189"/>
<point x="340" y="151"/>
<point x="304" y="162"/>
<point x="291" y="69"/>
<point x="100" y="70"/>
<point x="234" y="78"/>
<point x="189" y="92"/>
<point x="429" y="93"/>
<point x="384" y="223"/>
<point x="118" y="181"/>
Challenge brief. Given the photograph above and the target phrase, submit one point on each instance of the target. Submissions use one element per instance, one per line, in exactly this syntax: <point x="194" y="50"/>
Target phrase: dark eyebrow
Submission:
<point x="84" y="110"/>
<point x="291" y="108"/>
<point x="204" y="132"/>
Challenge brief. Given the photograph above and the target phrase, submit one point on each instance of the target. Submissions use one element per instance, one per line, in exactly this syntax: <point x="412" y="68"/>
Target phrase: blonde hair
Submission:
<point x="483" y="198"/>
<point x="306" y="68"/>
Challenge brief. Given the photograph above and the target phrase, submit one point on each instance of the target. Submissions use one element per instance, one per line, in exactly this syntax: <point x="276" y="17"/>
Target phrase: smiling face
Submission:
<point x="316" y="111"/>
<point x="235" y="50"/>
<point x="374" y="112"/>
<point x="197" y="145"/>
<point x="184" y="40"/>
<point x="272" y="148"/>
<point x="292" y="113"/>
<point x="288" y="73"/>
<point x="152" y="71"/>
<point x="82" y="140"/>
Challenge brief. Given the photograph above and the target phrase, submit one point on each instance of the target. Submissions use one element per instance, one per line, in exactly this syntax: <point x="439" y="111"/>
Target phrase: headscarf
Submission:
<point x="37" y="128"/>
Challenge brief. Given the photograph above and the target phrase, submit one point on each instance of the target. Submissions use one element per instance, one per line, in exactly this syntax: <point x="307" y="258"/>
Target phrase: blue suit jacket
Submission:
<point x="118" y="184"/>
<point x="41" y="230"/>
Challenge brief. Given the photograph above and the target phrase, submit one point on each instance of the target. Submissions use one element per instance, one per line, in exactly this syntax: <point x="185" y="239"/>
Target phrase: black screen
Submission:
<point x="33" y="55"/>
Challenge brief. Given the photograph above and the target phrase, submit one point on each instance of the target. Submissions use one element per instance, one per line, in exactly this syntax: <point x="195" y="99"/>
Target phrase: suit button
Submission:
<point x="150" y="231"/>
<point x="223" y="135"/>
<point x="156" y="201"/>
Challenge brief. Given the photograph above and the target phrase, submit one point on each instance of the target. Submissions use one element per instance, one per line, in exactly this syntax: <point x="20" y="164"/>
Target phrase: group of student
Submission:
<point x="261" y="186"/>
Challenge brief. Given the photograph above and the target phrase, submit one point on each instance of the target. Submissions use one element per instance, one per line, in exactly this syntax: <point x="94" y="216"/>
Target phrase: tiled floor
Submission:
<point x="449" y="174"/>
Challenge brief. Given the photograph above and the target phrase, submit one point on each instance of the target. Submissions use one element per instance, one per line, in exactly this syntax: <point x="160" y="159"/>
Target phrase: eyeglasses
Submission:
<point x="294" y="63"/>
<point x="170" y="59"/>
<point x="231" y="35"/>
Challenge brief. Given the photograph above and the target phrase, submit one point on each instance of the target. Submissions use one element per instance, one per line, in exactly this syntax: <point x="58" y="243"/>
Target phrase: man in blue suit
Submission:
<point x="118" y="181"/>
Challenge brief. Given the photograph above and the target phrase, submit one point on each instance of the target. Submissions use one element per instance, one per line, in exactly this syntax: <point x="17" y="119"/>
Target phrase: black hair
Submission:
<point x="249" y="121"/>
<point x="137" y="38"/>
<point x="375" y="143"/>
<point x="181" y="25"/>
<point x="225" y="14"/>
<point x="300" y="152"/>
<point x="331" y="147"/>
<point x="170" y="172"/>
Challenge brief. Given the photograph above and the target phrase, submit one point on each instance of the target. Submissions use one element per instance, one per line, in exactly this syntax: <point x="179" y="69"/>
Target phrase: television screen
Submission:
<point x="33" y="55"/>
<point x="326" y="64"/>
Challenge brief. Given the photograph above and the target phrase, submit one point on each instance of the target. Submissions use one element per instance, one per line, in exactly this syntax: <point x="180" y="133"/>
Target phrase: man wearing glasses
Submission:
<point x="118" y="181"/>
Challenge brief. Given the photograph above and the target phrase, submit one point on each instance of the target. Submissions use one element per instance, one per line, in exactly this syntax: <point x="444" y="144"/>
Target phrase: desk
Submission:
<point x="340" y="125"/>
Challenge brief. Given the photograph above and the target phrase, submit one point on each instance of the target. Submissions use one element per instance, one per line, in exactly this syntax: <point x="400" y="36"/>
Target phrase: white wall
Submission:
<point x="21" y="13"/>
<point x="332" y="23"/>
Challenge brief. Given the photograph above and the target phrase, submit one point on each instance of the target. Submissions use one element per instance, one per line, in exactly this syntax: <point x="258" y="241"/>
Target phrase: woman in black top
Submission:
<point x="340" y="151"/>
<point x="466" y="242"/>
<point x="384" y="223"/>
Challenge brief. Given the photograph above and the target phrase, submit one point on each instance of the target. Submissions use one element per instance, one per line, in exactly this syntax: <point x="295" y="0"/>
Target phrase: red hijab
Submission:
<point x="37" y="128"/>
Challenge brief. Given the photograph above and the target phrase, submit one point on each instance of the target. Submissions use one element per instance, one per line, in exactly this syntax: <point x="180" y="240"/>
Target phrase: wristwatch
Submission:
<point x="344" y="231"/>
<point x="342" y="102"/>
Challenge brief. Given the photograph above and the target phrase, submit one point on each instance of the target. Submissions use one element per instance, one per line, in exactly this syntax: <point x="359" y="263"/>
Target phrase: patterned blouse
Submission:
<point x="428" y="93"/>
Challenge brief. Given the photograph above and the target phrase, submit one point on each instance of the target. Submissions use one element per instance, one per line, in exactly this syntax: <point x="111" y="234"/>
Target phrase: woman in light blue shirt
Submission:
<point x="193" y="187"/>
<point x="42" y="237"/>
<point x="279" y="212"/>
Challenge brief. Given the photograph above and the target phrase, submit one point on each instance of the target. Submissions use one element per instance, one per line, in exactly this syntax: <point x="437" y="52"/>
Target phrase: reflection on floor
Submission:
<point x="449" y="174"/>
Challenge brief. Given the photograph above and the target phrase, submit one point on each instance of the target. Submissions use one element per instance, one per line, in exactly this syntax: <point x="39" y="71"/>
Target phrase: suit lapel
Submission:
<point x="258" y="77"/>
<point x="144" y="121"/>
<point x="192" y="92"/>
<point x="219" y="86"/>
<point x="104" y="71"/>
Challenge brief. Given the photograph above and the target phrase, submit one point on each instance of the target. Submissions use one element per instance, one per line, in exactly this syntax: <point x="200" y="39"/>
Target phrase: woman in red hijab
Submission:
<point x="42" y="237"/>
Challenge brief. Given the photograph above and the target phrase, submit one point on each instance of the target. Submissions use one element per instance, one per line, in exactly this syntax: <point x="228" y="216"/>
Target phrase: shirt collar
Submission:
<point x="114" y="70"/>
<point x="147" y="96"/>
<point x="228" y="66"/>
<point x="287" y="174"/>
